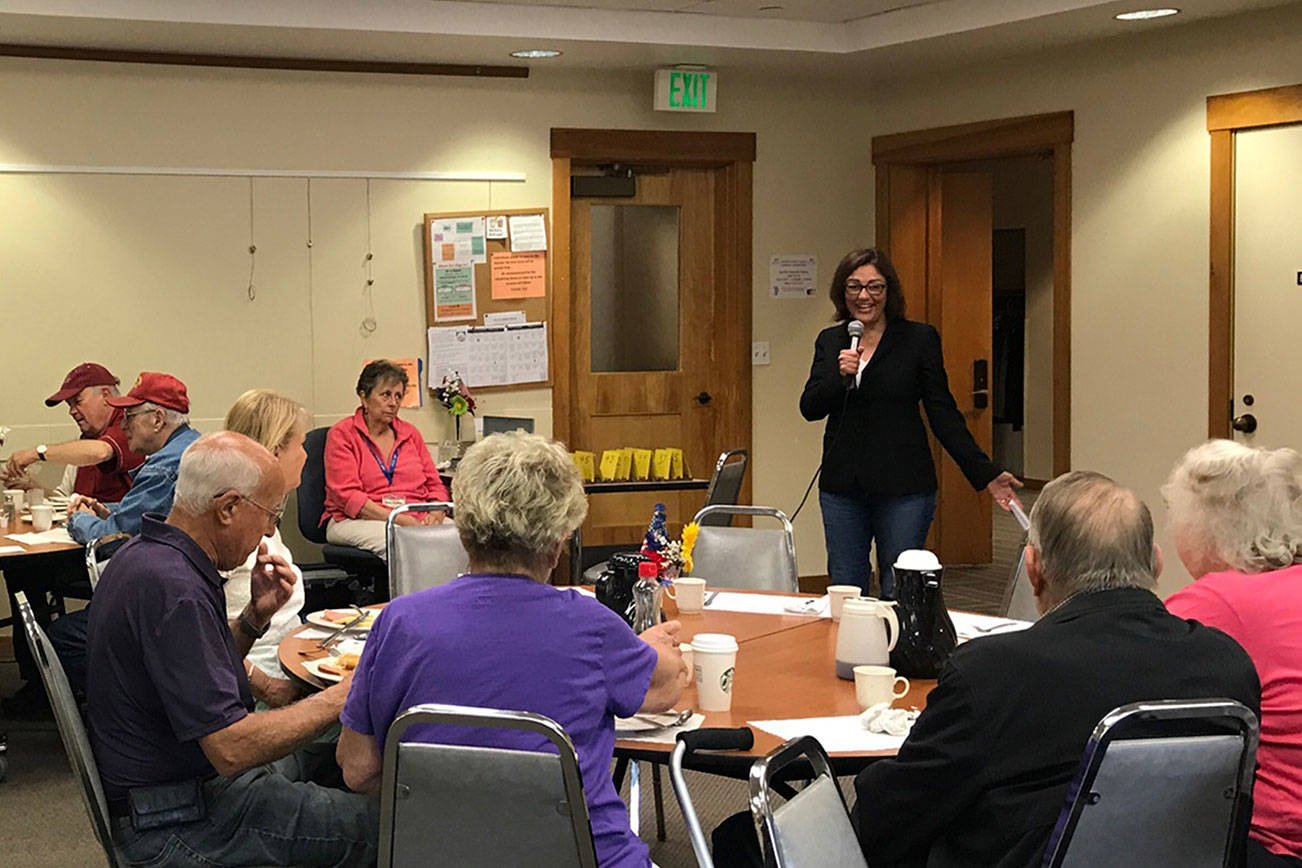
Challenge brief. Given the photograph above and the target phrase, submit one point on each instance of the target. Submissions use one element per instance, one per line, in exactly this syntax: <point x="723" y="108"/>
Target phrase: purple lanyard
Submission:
<point x="393" y="460"/>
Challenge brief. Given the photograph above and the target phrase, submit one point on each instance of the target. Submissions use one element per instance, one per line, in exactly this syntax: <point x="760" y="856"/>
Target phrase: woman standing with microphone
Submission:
<point x="878" y="482"/>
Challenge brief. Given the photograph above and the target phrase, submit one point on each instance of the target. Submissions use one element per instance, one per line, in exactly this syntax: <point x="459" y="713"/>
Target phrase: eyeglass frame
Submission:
<point x="276" y="514"/>
<point x="127" y="417"/>
<point x="854" y="289"/>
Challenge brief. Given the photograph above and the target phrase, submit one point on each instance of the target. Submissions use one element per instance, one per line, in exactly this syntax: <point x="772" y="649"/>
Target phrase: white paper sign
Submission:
<point x="528" y="232"/>
<point x="793" y="276"/>
<point x="495" y="228"/>
<point x="505" y="317"/>
<point x="490" y="355"/>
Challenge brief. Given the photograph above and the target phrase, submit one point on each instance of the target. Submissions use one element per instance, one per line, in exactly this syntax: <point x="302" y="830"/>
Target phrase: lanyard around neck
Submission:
<point x="393" y="460"/>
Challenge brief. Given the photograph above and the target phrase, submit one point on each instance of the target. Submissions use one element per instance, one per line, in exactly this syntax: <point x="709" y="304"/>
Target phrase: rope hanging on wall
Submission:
<point x="368" y="324"/>
<point x="253" y="248"/>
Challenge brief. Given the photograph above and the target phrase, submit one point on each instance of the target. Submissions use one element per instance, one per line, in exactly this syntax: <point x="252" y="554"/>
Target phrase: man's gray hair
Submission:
<point x="209" y="469"/>
<point x="1092" y="534"/>
<point x="1243" y="504"/>
<point x="171" y="417"/>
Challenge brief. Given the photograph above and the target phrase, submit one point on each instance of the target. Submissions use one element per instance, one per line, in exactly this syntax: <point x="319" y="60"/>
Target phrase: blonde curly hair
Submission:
<point x="517" y="495"/>
<point x="1243" y="504"/>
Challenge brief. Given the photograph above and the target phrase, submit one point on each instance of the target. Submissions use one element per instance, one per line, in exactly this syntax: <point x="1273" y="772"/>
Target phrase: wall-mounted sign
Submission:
<point x="686" y="90"/>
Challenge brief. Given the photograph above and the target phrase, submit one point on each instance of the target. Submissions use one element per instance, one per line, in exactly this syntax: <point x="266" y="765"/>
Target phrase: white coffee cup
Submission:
<point x="688" y="593"/>
<point x="42" y="517"/>
<point x="714" y="661"/>
<point x="35" y="496"/>
<point x="689" y="657"/>
<point x="874" y="684"/>
<point x="836" y="596"/>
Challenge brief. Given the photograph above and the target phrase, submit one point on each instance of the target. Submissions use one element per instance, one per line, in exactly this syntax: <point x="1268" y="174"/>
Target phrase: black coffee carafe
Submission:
<point x="927" y="635"/>
<point x="615" y="585"/>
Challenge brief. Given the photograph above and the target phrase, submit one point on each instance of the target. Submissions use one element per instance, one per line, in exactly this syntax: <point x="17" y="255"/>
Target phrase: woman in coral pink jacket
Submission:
<point x="375" y="462"/>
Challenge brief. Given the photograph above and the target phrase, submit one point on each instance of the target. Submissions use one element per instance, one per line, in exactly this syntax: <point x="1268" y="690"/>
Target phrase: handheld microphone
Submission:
<point x="855" y="328"/>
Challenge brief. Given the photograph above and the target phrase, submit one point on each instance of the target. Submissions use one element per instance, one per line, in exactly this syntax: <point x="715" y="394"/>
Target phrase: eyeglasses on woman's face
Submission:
<point x="854" y="288"/>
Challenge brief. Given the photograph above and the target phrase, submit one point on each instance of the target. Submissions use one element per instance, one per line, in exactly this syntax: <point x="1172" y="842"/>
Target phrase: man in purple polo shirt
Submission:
<point x="501" y="637"/>
<point x="186" y="767"/>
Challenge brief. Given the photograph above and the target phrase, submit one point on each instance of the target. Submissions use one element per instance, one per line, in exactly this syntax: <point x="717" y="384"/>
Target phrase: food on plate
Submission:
<point x="341" y="617"/>
<point x="341" y="664"/>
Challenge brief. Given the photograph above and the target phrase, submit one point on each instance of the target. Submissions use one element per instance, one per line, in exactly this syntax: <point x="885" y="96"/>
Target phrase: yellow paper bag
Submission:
<point x="625" y="469"/>
<point x="587" y="464"/>
<point x="676" y="464"/>
<point x="610" y="465"/>
<point x="641" y="463"/>
<point x="662" y="462"/>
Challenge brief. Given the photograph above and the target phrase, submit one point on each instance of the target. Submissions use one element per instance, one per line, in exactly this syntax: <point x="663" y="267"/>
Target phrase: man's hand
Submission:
<point x="664" y="635"/>
<point x="270" y="584"/>
<point x="82" y="503"/>
<point x="16" y="466"/>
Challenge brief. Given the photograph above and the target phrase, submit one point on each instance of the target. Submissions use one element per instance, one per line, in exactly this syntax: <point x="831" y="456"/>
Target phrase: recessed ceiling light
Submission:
<point x="1145" y="14"/>
<point x="536" y="53"/>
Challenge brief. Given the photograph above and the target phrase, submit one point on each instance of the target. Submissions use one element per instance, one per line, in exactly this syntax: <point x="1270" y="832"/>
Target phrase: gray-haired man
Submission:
<point x="984" y="773"/>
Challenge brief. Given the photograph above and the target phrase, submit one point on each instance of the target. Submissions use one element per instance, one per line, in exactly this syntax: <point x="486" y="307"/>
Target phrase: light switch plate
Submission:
<point x="759" y="352"/>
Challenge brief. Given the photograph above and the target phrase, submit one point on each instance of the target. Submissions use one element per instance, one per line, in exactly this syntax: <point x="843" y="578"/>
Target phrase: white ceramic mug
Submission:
<point x="688" y="593"/>
<point x="42" y="517"/>
<point x="874" y="684"/>
<point x="714" y="661"/>
<point x="836" y="597"/>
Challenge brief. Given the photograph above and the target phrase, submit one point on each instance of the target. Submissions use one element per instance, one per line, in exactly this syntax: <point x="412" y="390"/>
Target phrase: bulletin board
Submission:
<point x="515" y="273"/>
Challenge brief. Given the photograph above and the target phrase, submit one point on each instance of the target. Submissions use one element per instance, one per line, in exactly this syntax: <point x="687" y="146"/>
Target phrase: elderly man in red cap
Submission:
<point x="157" y="424"/>
<point x="101" y="458"/>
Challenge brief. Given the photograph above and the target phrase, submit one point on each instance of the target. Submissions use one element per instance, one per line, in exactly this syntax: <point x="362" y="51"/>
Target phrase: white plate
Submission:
<point x="58" y="516"/>
<point x="314" y="666"/>
<point x="645" y="722"/>
<point x="318" y="619"/>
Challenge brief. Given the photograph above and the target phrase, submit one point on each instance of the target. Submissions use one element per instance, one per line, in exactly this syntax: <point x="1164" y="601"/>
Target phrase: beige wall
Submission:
<point x="152" y="272"/>
<point x="140" y="272"/>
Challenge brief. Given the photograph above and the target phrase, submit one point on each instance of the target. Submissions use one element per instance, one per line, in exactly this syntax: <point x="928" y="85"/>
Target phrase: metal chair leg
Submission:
<point x="659" y="801"/>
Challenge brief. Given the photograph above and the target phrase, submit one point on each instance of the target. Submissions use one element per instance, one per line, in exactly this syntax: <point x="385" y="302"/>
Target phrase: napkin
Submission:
<point x="841" y="734"/>
<point x="663" y="736"/>
<point x="53" y="535"/>
<point x="886" y="720"/>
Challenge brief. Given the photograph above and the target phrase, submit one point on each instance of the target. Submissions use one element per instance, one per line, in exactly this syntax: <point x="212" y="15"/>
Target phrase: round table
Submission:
<point x="785" y="669"/>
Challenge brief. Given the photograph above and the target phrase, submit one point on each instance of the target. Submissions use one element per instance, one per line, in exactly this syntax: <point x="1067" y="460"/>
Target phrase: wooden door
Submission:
<point x="1267" y="296"/>
<point x="959" y="305"/>
<point x="641" y="377"/>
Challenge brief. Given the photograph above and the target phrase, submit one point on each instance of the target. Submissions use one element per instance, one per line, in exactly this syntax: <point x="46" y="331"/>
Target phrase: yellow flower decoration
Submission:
<point x="689" y="542"/>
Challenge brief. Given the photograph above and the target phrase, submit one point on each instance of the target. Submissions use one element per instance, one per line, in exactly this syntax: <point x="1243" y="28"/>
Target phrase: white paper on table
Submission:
<point x="662" y="736"/>
<point x="761" y="604"/>
<point x="835" y="734"/>
<point x="8" y="550"/>
<point x="528" y="232"/>
<point x="313" y="633"/>
<point x="53" y="535"/>
<point x="971" y="626"/>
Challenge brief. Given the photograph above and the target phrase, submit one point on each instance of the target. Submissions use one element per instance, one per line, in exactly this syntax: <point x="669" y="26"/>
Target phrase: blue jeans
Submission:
<point x="852" y="522"/>
<point x="269" y="815"/>
<point x="68" y="637"/>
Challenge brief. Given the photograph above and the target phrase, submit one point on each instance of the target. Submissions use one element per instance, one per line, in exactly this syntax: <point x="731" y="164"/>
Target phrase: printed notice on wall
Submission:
<point x="495" y="228"/>
<point x="490" y="355"/>
<point x="793" y="276"/>
<point x="528" y="232"/>
<point x="457" y="240"/>
<point x="519" y="275"/>
<point x="454" y="292"/>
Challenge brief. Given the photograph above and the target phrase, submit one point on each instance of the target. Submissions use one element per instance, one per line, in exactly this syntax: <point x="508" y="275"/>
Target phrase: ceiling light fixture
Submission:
<point x="536" y="53"/>
<point x="1145" y="14"/>
<point x="770" y="9"/>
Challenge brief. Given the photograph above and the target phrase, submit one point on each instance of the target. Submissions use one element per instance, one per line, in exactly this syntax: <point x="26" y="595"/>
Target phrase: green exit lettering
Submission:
<point x="687" y="89"/>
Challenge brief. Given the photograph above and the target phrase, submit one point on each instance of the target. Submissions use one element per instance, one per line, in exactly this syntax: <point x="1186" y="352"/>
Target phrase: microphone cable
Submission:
<point x="836" y="438"/>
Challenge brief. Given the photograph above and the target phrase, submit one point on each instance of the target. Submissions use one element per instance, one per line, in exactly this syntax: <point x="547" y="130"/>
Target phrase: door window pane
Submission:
<point x="634" y="288"/>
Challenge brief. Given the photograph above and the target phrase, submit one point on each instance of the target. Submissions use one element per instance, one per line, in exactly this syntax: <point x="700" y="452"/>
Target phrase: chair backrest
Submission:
<point x="761" y="559"/>
<point x="311" y="487"/>
<point x="423" y="556"/>
<point x="725" y="485"/>
<point x="98" y="553"/>
<point x="71" y="729"/>
<point x="1162" y="784"/>
<point x="1019" y="601"/>
<point x="477" y="806"/>
<point x="812" y="829"/>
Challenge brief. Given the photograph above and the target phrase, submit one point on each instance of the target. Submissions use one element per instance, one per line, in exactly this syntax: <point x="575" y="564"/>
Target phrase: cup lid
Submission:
<point x="716" y="643"/>
<point x="917" y="559"/>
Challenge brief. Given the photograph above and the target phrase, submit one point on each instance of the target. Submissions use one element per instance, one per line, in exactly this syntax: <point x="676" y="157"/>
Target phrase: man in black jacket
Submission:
<point x="984" y="773"/>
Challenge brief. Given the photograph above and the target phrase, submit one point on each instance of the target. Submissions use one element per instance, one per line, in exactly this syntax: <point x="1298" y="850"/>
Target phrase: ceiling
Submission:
<point x="884" y="38"/>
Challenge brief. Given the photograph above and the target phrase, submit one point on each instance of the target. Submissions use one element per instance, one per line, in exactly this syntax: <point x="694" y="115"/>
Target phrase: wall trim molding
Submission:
<point x="211" y="172"/>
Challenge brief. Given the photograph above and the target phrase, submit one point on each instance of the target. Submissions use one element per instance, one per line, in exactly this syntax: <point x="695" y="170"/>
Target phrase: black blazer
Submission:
<point x="984" y="773"/>
<point x="874" y="442"/>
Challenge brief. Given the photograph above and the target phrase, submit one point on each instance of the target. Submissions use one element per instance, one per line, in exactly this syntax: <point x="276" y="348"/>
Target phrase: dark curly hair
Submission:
<point x="378" y="372"/>
<point x="855" y="260"/>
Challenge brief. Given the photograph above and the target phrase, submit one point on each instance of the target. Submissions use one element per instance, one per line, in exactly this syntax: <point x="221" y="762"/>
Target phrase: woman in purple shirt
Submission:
<point x="501" y="637"/>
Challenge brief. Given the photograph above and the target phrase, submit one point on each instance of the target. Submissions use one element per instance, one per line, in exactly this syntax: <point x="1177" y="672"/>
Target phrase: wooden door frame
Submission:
<point x="1006" y="137"/>
<point x="734" y="154"/>
<point x="1227" y="114"/>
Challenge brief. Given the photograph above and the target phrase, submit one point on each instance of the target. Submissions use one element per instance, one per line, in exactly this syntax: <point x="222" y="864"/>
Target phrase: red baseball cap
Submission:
<point x="85" y="374"/>
<point x="161" y="389"/>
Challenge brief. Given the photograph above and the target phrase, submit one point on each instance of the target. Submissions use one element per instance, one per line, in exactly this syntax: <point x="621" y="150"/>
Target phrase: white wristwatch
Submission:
<point x="40" y="452"/>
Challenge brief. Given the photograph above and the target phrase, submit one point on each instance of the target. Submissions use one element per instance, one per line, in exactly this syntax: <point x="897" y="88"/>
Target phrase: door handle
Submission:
<point x="980" y="384"/>
<point x="704" y="398"/>
<point x="1247" y="423"/>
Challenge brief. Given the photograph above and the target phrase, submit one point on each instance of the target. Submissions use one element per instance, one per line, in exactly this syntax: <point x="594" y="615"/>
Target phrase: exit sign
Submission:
<point x="686" y="90"/>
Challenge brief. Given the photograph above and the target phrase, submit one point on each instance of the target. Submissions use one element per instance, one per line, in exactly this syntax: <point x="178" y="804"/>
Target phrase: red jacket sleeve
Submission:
<point x="344" y="491"/>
